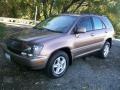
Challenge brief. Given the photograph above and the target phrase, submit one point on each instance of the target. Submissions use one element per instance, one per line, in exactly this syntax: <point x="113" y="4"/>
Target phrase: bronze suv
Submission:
<point x="60" y="40"/>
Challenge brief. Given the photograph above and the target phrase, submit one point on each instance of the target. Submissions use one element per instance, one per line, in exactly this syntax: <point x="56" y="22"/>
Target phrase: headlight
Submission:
<point x="37" y="49"/>
<point x="32" y="51"/>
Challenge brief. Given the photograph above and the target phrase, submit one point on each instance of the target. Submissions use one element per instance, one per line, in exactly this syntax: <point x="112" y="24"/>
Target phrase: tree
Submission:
<point x="46" y="8"/>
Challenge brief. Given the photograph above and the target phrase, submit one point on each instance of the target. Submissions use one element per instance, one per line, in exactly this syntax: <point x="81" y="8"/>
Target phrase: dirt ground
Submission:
<point x="90" y="73"/>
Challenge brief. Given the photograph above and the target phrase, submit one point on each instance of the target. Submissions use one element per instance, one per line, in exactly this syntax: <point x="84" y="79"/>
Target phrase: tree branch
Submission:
<point x="51" y="6"/>
<point x="44" y="3"/>
<point x="68" y="6"/>
<point x="79" y="5"/>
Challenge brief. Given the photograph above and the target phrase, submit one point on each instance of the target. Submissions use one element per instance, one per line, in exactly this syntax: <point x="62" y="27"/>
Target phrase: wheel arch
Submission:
<point x="110" y="41"/>
<point x="66" y="50"/>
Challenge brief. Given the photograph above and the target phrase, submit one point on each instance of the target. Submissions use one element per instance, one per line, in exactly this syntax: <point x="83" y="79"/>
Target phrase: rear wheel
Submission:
<point x="57" y="64"/>
<point x="105" y="50"/>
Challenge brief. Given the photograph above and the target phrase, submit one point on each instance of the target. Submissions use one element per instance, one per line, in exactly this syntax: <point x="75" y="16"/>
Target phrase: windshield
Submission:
<point x="57" y="24"/>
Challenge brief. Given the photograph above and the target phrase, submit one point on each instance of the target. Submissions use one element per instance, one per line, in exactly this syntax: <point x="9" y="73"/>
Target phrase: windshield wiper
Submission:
<point x="53" y="30"/>
<point x="43" y="28"/>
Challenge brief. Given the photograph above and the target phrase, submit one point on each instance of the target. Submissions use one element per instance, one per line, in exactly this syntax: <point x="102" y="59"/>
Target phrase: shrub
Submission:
<point x="2" y="30"/>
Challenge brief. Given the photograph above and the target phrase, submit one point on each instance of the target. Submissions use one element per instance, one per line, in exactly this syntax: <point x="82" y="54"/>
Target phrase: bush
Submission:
<point x="2" y="30"/>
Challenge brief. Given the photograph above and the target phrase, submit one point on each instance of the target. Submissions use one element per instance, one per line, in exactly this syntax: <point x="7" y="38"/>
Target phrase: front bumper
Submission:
<point x="33" y="63"/>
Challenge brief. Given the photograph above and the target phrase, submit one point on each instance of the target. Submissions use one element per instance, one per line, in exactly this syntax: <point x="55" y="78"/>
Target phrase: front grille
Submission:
<point x="14" y="50"/>
<point x="16" y="46"/>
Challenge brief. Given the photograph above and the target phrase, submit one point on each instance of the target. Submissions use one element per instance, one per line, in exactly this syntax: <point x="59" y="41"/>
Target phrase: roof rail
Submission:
<point x="77" y="14"/>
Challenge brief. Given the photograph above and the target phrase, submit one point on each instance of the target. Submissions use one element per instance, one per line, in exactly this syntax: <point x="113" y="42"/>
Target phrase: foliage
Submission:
<point x="26" y="8"/>
<point x="2" y="30"/>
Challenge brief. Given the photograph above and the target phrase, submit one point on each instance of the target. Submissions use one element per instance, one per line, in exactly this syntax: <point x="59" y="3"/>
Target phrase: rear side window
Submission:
<point x="98" y="23"/>
<point x="85" y="22"/>
<point x="107" y="22"/>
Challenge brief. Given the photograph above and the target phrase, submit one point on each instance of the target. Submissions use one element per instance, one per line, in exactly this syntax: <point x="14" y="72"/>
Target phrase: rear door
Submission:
<point x="100" y="32"/>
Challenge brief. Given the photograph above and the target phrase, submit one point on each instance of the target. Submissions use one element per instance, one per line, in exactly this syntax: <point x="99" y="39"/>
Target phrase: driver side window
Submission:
<point x="85" y="22"/>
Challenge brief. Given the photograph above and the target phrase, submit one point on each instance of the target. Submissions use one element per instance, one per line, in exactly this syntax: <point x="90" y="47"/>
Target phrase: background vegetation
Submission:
<point x="26" y="8"/>
<point x="2" y="30"/>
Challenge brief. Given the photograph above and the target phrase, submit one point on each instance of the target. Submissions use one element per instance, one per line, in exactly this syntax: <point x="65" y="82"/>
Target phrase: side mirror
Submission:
<point x="81" y="30"/>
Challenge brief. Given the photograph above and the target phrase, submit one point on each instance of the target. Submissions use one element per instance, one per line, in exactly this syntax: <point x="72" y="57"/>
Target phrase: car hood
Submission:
<point x="36" y="36"/>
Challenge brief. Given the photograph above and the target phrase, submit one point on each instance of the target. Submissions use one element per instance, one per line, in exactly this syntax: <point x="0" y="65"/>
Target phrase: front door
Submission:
<point x="84" y="42"/>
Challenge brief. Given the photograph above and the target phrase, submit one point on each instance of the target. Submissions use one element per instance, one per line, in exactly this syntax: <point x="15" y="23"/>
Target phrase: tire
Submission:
<point x="57" y="64"/>
<point x="103" y="53"/>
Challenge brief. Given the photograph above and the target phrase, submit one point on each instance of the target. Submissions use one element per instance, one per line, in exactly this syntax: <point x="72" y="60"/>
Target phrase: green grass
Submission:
<point x="2" y="30"/>
<point x="117" y="36"/>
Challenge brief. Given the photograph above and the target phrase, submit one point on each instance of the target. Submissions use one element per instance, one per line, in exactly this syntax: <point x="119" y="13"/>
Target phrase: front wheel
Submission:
<point x="57" y="64"/>
<point x="105" y="50"/>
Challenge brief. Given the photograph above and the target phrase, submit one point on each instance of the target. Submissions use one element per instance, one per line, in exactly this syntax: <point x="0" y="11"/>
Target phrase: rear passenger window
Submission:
<point x="107" y="22"/>
<point x="98" y="23"/>
<point x="85" y="22"/>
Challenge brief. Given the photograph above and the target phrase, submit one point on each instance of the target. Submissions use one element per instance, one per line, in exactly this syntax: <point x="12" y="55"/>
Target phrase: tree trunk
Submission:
<point x="66" y="7"/>
<point x="79" y="5"/>
<point x="51" y="6"/>
<point x="45" y="10"/>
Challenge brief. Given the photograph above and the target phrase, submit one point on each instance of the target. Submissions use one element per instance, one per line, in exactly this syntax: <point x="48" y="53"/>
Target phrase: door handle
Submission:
<point x="106" y="32"/>
<point x="92" y="34"/>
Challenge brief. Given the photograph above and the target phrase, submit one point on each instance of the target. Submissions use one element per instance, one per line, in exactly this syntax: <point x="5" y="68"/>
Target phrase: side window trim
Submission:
<point x="103" y="24"/>
<point x="92" y="23"/>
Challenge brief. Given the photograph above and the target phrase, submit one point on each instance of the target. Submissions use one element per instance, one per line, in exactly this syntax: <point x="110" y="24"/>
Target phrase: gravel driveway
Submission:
<point x="86" y="73"/>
